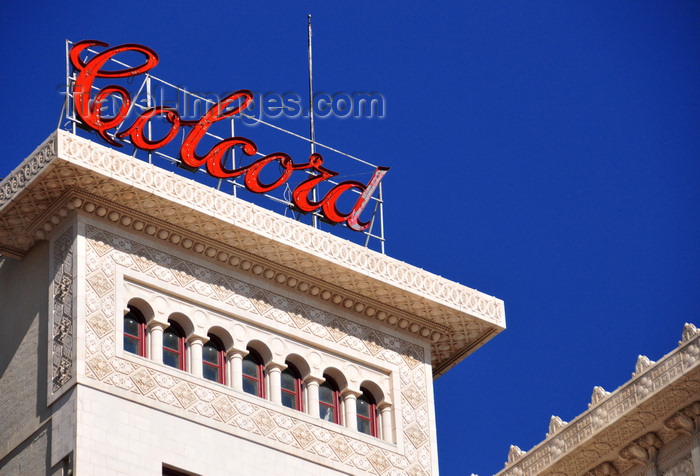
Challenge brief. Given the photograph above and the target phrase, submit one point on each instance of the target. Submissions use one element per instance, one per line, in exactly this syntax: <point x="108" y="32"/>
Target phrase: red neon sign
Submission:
<point x="89" y="109"/>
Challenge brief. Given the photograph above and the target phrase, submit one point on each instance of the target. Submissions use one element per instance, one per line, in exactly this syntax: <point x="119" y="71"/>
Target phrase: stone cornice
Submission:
<point x="68" y="174"/>
<point x="595" y="440"/>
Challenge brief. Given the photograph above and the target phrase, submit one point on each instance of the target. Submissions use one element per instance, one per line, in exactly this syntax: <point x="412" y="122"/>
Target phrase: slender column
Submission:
<point x="350" y="404"/>
<point x="312" y="384"/>
<point x="236" y="360"/>
<point x="386" y="421"/>
<point x="274" y="372"/>
<point x="229" y="369"/>
<point x="155" y="332"/>
<point x="196" y="342"/>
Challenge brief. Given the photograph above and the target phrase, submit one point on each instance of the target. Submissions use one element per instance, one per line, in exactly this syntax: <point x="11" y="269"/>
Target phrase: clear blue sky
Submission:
<point x="542" y="152"/>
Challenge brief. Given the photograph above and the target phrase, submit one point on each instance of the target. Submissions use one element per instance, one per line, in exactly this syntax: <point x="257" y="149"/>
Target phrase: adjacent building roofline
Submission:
<point x="619" y="426"/>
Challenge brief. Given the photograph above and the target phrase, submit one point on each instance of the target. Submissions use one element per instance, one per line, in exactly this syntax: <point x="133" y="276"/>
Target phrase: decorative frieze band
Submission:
<point x="77" y="200"/>
<point x="25" y="172"/>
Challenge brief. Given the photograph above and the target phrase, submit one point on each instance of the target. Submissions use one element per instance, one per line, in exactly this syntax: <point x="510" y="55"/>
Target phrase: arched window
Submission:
<point x="367" y="414"/>
<point x="292" y="388"/>
<point x="329" y="401"/>
<point x="135" y="332"/>
<point x="214" y="360"/>
<point x="174" y="346"/>
<point x="254" y="374"/>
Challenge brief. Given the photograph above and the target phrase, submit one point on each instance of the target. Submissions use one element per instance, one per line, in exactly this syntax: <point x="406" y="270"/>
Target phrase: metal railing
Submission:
<point x="281" y="202"/>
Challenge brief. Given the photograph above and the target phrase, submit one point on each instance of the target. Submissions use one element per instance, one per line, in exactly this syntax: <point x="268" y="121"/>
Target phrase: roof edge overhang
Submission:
<point x="68" y="173"/>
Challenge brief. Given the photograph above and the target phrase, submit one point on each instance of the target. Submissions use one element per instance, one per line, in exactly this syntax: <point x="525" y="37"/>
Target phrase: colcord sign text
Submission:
<point x="88" y="109"/>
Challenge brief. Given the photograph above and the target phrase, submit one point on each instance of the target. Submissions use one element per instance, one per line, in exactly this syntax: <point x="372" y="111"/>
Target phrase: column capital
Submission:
<point x="275" y="365"/>
<point x="350" y="393"/>
<point x="311" y="379"/>
<point x="384" y="406"/>
<point x="234" y="351"/>
<point x="156" y="322"/>
<point x="156" y="325"/>
<point x="197" y="339"/>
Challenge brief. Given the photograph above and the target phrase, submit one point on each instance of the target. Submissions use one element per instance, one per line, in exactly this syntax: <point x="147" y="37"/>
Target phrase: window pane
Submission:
<point x="363" y="426"/>
<point x="289" y="400"/>
<point x="210" y="354"/>
<point x="131" y="325"/>
<point x="325" y="394"/>
<point x="132" y="334"/>
<point x="171" y="339"/>
<point x="171" y="358"/>
<point x="250" y="386"/>
<point x="327" y="413"/>
<point x="211" y="373"/>
<point x="363" y="406"/>
<point x="288" y="381"/>
<point x="131" y="345"/>
<point x="250" y="367"/>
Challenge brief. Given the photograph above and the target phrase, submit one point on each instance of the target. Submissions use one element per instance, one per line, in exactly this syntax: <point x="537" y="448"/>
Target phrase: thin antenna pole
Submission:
<point x="68" y="104"/>
<point x="314" y="218"/>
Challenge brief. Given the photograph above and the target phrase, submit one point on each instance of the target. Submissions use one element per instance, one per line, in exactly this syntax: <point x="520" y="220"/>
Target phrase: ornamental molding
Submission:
<point x="514" y="453"/>
<point x="555" y="424"/>
<point x="689" y="331"/>
<point x="621" y="429"/>
<point x="644" y="449"/>
<point x="599" y="394"/>
<point x="69" y="174"/>
<point x="604" y="469"/>
<point x="63" y="311"/>
<point x="642" y="364"/>
<point x="108" y="368"/>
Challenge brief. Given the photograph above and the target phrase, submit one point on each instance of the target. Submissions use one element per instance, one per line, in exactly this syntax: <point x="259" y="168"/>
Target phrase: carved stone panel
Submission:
<point x="63" y="312"/>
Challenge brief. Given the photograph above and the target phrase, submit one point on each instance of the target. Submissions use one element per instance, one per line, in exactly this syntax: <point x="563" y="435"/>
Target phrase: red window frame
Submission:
<point x="259" y="378"/>
<point x="334" y="404"/>
<point x="297" y="392"/>
<point x="220" y="364"/>
<point x="140" y="339"/>
<point x="371" y="419"/>
<point x="181" y="351"/>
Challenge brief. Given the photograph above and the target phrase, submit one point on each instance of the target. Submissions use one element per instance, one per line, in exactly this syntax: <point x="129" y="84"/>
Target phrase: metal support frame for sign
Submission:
<point x="71" y="120"/>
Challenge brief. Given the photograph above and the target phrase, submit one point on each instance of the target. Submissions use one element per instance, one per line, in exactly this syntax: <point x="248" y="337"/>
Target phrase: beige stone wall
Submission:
<point x="117" y="436"/>
<point x="23" y="336"/>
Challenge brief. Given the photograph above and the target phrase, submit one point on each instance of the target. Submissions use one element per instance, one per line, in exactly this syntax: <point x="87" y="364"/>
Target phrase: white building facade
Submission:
<point x="153" y="325"/>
